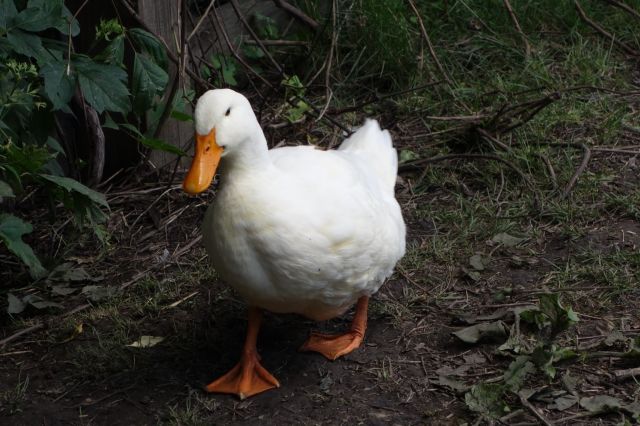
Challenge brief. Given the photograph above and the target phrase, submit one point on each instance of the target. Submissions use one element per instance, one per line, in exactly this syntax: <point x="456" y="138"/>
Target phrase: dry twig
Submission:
<point x="516" y="24"/>
<point x="427" y="40"/>
<point x="604" y="32"/>
<point x="297" y="13"/>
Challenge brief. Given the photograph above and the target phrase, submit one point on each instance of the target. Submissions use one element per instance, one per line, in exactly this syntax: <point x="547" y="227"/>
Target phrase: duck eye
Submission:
<point x="228" y="112"/>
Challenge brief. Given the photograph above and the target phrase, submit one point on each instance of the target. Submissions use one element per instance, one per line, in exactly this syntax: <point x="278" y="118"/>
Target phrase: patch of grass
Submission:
<point x="11" y="400"/>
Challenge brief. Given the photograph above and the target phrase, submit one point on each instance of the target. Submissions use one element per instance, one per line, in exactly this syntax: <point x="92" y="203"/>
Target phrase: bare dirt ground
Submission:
<point x="76" y="367"/>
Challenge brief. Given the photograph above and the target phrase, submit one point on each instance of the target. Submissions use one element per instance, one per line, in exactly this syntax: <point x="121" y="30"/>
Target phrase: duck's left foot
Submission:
<point x="333" y="346"/>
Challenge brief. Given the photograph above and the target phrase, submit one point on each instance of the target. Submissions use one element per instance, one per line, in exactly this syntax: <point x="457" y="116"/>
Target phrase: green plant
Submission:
<point x="39" y="76"/>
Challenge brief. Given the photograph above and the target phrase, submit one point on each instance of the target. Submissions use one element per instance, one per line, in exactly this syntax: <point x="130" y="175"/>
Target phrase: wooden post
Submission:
<point x="162" y="17"/>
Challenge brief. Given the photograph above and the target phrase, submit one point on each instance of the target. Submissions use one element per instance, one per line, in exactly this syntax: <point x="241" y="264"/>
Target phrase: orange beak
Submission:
<point x="204" y="165"/>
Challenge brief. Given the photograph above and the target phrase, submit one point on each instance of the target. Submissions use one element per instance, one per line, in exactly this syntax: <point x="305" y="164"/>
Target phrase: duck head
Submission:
<point x="224" y="123"/>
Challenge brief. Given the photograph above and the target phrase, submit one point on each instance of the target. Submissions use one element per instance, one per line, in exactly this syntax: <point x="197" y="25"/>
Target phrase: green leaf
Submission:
<point x="517" y="372"/>
<point x="58" y="84"/>
<point x="103" y="85"/>
<point x="40" y="15"/>
<point x="561" y="318"/>
<point x="297" y="112"/>
<point x="5" y="190"/>
<point x="55" y="145"/>
<point x="27" y="44"/>
<point x="148" y="81"/>
<point x="161" y="146"/>
<point x="181" y="116"/>
<point x="73" y="185"/>
<point x="253" y="52"/>
<point x="8" y="11"/>
<point x="486" y="399"/>
<point x="11" y="231"/>
<point x="493" y="331"/>
<point x="407" y="155"/>
<point x="146" y="42"/>
<point x="15" y="304"/>
<point x="113" y="53"/>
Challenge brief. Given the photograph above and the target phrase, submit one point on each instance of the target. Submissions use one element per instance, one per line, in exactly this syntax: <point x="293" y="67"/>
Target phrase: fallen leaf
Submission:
<point x="62" y="290"/>
<point x="96" y="293"/>
<point x="493" y="331"/>
<point x="478" y="262"/>
<point x="452" y="384"/>
<point x="40" y="303"/>
<point x="326" y="383"/>
<point x="600" y="404"/>
<point x="563" y="402"/>
<point x="570" y="383"/>
<point x="517" y="372"/>
<point x="146" y="342"/>
<point x="15" y="304"/>
<point x="507" y="240"/>
<point x="486" y="398"/>
<point x="474" y="358"/>
<point x="77" y="330"/>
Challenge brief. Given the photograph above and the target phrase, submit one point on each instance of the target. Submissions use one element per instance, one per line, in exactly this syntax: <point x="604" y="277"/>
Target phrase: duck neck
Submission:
<point x="250" y="155"/>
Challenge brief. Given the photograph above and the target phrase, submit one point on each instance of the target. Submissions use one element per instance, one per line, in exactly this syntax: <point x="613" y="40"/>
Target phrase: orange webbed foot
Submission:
<point x="246" y="379"/>
<point x="333" y="346"/>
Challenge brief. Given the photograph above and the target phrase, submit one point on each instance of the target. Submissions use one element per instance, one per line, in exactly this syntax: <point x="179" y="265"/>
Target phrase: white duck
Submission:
<point x="294" y="229"/>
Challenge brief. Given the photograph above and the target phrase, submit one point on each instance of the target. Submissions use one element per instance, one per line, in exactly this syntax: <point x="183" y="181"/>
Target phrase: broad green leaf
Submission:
<point x="517" y="372"/>
<point x="27" y="44"/>
<point x="8" y="11"/>
<point x="161" y="146"/>
<point x="58" y="84"/>
<point x="16" y="305"/>
<point x="493" y="331"/>
<point x="146" y="42"/>
<point x="11" y="231"/>
<point x="55" y="145"/>
<point x="113" y="53"/>
<point x="103" y="86"/>
<point x="146" y="342"/>
<point x="486" y="399"/>
<point x="148" y="80"/>
<point x="73" y="185"/>
<point x="5" y="190"/>
<point x="109" y="123"/>
<point x="40" y="15"/>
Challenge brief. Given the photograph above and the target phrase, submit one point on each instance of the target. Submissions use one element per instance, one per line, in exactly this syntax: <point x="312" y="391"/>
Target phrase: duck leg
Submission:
<point x="333" y="346"/>
<point x="248" y="377"/>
